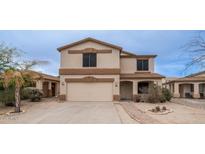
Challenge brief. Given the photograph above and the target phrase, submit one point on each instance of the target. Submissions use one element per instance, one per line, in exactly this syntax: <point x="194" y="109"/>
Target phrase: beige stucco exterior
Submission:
<point x="72" y="61"/>
<point x="75" y="60"/>
<point x="50" y="85"/>
<point x="192" y="86"/>
<point x="48" y="88"/>
<point x="129" y="65"/>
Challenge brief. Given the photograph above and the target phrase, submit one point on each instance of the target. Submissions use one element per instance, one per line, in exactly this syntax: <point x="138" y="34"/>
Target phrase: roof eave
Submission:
<point x="88" y="39"/>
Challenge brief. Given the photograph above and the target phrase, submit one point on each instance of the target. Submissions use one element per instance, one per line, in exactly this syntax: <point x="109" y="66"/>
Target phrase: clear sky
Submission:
<point x="41" y="45"/>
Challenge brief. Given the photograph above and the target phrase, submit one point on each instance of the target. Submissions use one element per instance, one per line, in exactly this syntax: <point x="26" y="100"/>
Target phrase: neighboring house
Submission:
<point x="47" y="83"/>
<point x="167" y="80"/>
<point x="192" y="86"/>
<point x="93" y="70"/>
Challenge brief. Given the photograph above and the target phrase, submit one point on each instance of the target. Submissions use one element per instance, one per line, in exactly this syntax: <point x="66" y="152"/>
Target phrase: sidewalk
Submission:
<point x="138" y="114"/>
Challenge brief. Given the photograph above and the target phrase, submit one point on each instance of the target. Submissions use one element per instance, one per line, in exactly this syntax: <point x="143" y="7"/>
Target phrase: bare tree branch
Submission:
<point x="28" y="65"/>
<point x="196" y="50"/>
<point x="9" y="58"/>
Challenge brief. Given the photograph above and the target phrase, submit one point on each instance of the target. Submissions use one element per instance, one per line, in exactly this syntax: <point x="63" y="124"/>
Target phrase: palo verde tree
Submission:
<point x="7" y="57"/>
<point x="14" y="72"/>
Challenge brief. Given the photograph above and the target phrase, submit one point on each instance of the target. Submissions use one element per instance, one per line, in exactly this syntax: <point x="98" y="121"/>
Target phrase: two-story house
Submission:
<point x="93" y="70"/>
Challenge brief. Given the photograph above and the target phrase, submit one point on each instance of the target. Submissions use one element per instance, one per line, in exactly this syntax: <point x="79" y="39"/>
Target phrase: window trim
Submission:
<point x="142" y="64"/>
<point x="89" y="59"/>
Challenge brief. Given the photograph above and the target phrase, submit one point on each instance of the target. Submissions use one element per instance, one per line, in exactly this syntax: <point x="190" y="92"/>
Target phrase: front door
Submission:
<point x="53" y="88"/>
<point x="126" y="90"/>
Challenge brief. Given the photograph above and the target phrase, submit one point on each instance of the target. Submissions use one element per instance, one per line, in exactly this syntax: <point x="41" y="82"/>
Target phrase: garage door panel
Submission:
<point x="89" y="91"/>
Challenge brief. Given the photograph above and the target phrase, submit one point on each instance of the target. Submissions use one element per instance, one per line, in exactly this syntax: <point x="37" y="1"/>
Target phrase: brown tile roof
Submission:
<point x="142" y="75"/>
<point x="195" y="74"/>
<point x="44" y="76"/>
<point x="188" y="79"/>
<point x="89" y="39"/>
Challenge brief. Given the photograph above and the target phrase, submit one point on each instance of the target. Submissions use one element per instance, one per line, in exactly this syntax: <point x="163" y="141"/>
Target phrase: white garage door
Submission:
<point x="96" y="91"/>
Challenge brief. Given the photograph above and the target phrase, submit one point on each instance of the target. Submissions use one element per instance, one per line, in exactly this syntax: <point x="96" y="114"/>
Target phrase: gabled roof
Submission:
<point x="128" y="53"/>
<point x="89" y="39"/>
<point x="132" y="55"/>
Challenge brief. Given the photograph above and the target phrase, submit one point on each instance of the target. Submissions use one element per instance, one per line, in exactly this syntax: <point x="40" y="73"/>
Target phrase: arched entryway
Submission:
<point x="126" y="90"/>
<point x="144" y="86"/>
<point x="186" y="90"/>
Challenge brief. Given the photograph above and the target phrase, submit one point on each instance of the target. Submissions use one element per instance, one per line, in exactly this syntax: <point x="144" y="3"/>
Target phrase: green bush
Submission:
<point x="155" y="94"/>
<point x="1" y="85"/>
<point x="162" y="99"/>
<point x="137" y="98"/>
<point x="25" y="93"/>
<point x="7" y="96"/>
<point x="158" y="94"/>
<point x="167" y="94"/>
<point x="33" y="93"/>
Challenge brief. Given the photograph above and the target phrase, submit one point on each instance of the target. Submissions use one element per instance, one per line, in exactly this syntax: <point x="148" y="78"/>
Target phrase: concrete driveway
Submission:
<point x="68" y="112"/>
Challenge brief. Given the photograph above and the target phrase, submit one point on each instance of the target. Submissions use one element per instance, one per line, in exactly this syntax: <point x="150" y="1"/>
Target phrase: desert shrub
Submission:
<point x="157" y="108"/>
<point x="7" y="96"/>
<point x="167" y="94"/>
<point x="137" y="98"/>
<point x="158" y="94"/>
<point x="1" y="85"/>
<point x="33" y="93"/>
<point x="164" y="108"/>
<point x="25" y="93"/>
<point x="155" y="94"/>
<point x="162" y="98"/>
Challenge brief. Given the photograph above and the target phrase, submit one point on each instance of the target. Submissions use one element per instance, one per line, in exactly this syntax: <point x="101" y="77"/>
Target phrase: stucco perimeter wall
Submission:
<point x="104" y="60"/>
<point x="129" y="65"/>
<point x="63" y="84"/>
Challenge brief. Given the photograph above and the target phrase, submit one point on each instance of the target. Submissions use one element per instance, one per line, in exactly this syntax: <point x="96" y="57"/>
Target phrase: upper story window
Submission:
<point x="143" y="65"/>
<point x="89" y="60"/>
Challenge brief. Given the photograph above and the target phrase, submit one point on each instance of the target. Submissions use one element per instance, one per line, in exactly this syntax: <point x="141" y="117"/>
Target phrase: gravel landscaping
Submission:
<point x="181" y="114"/>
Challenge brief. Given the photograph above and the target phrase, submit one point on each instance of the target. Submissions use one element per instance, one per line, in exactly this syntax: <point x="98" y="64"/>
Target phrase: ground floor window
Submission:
<point x="143" y="87"/>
